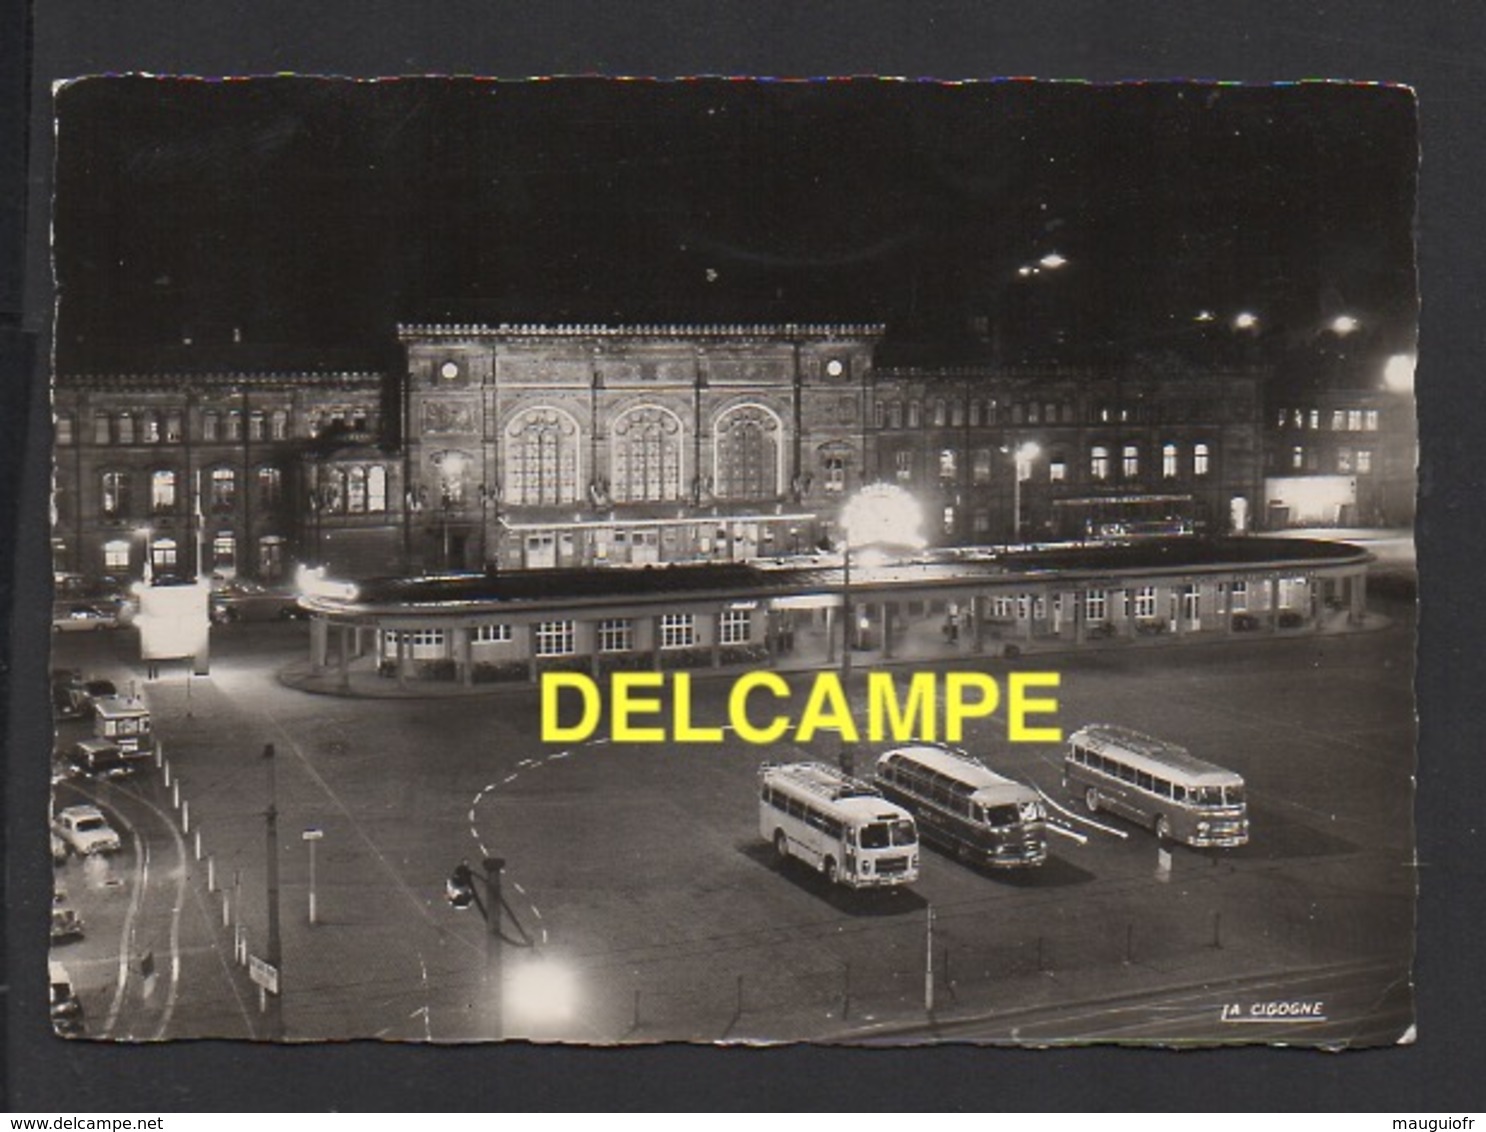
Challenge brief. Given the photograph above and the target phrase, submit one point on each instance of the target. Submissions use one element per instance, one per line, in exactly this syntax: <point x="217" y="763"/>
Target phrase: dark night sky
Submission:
<point x="314" y="215"/>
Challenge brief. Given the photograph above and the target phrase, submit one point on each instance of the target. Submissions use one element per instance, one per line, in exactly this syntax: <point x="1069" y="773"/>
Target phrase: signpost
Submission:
<point x="311" y="836"/>
<point x="266" y="976"/>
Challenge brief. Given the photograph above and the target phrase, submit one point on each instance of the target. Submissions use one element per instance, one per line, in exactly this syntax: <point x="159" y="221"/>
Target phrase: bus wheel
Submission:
<point x="781" y="845"/>
<point x="1162" y="827"/>
<point x="829" y="868"/>
<point x="1091" y="799"/>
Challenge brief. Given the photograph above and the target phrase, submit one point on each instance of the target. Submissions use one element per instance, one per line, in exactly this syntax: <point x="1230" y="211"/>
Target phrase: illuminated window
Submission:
<point x="224" y="489"/>
<point x="980" y="466"/>
<point x="903" y="465"/>
<point x="376" y="489"/>
<point x="1099" y="463"/>
<point x="1297" y="457"/>
<point x="736" y="626"/>
<point x="116" y="556"/>
<point x="1095" y="605"/>
<point x="1344" y="460"/>
<point x="234" y="431"/>
<point x="356" y="491"/>
<point x="1168" y="461"/>
<point x="915" y="414"/>
<point x="835" y="474"/>
<point x="542" y="458"/>
<point x="554" y="638"/>
<point x="173" y="431"/>
<point x="1240" y="599"/>
<point x="616" y="634"/>
<point x="278" y="428"/>
<point x="1130" y="461"/>
<point x="63" y="428"/>
<point x="126" y="428"/>
<point x="163" y="554"/>
<point x="677" y="630"/>
<point x="1200" y="460"/>
<point x="949" y="520"/>
<point x="647" y="446"/>
<point x="947" y="464"/>
<point x="1364" y="461"/>
<point x="491" y="634"/>
<point x="115" y="496"/>
<point x="1370" y="420"/>
<point x="1354" y="420"/>
<point x="1145" y="601"/>
<point x="1315" y="418"/>
<point x="1057" y="470"/>
<point x="149" y="428"/>
<point x="940" y="413"/>
<point x="162" y="491"/>
<point x="224" y="551"/>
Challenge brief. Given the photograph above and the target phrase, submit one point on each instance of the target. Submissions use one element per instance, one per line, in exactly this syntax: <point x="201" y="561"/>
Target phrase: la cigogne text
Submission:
<point x="763" y="708"/>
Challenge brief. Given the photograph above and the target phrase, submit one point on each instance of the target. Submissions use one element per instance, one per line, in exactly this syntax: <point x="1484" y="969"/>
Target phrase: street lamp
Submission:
<point x="1021" y="469"/>
<point x="310" y="836"/>
<point x="880" y="514"/>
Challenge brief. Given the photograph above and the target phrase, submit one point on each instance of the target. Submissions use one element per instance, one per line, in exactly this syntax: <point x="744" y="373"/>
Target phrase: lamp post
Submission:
<point x="310" y="836"/>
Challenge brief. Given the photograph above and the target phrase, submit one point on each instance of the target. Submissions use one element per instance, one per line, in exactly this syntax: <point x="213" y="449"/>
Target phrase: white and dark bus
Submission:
<point x="964" y="807"/>
<point x="836" y="824"/>
<point x="1159" y="785"/>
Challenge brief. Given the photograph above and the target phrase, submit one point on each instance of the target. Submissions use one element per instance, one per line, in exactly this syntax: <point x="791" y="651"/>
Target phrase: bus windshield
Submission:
<point x="1215" y="795"/>
<point x="1002" y="815"/>
<point x="880" y="835"/>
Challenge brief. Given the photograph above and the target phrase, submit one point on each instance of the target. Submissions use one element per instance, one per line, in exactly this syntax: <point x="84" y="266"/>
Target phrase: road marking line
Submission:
<point x="126" y="935"/>
<point x="1120" y="833"/>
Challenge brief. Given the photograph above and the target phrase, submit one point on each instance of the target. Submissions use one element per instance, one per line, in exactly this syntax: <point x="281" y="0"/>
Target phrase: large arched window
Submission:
<point x="647" y="455"/>
<point x="747" y="453"/>
<point x="541" y="458"/>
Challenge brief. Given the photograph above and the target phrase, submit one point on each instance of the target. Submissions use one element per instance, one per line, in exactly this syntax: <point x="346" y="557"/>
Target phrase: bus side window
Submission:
<point x="795" y="808"/>
<point x="1179" y="792"/>
<point x="1163" y="788"/>
<point x="1127" y="774"/>
<point x="1143" y="780"/>
<point x="766" y="794"/>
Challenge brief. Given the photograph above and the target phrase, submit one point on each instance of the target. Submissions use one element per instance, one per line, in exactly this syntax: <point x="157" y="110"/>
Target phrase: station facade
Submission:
<point x="544" y="447"/>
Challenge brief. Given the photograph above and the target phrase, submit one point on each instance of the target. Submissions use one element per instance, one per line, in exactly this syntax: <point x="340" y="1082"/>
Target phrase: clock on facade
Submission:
<point x="449" y="370"/>
<point x="835" y="367"/>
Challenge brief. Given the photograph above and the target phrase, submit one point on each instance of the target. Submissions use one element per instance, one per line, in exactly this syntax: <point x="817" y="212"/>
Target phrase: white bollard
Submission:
<point x="198" y="849"/>
<point x="211" y="872"/>
<point x="165" y="766"/>
<point x="185" y="816"/>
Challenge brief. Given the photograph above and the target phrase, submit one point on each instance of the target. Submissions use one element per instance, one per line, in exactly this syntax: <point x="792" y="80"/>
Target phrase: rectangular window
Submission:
<point x="980" y="523"/>
<point x="1364" y="461"/>
<point x="115" y="493"/>
<point x="1297" y="458"/>
<point x="835" y="467"/>
<point x="554" y="638"/>
<point x="1354" y="420"/>
<point x="102" y="430"/>
<point x="1344" y="460"/>
<point x="736" y="626"/>
<point x="1240" y="600"/>
<point x="172" y="428"/>
<point x="1003" y="607"/>
<point x="1130" y="461"/>
<point x="616" y="634"/>
<point x="270" y="487"/>
<point x="1145" y="601"/>
<point x="1057" y="470"/>
<point x="279" y="425"/>
<point x="947" y="463"/>
<point x="116" y="556"/>
<point x="915" y="414"/>
<point x="677" y="631"/>
<point x="1191" y="603"/>
<point x="427" y="638"/>
<point x="1200" y="461"/>
<point x="949" y="520"/>
<point x="1168" y="461"/>
<point x="1370" y="420"/>
<point x="126" y="429"/>
<point x="162" y="491"/>
<point x="490" y="634"/>
<point x="149" y="428"/>
<point x="1095" y="605"/>
<point x="980" y="467"/>
<point x="63" y="428"/>
<point x="903" y="462"/>
<point x="1099" y="463"/>
<point x="224" y="550"/>
<point x="1315" y="418"/>
<point x="895" y="414"/>
<point x="234" y="426"/>
<point x="210" y="426"/>
<point x="224" y="488"/>
<point x="257" y="425"/>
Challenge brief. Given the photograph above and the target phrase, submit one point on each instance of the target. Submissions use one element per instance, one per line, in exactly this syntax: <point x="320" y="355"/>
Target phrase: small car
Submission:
<point x="86" y="831"/>
<point x="66" y="923"/>
<point x="67" y="1011"/>
<point x="241" y="599"/>
<point x="100" y="758"/>
<point x="76" y="617"/>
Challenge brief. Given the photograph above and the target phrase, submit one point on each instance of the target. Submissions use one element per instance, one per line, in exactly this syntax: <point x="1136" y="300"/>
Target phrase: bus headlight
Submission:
<point x="913" y="860"/>
<point x="866" y="867"/>
<point x="1203" y="827"/>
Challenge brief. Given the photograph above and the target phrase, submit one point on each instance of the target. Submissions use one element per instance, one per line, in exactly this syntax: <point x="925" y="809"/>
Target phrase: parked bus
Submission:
<point x="124" y="721"/>
<point x="1159" y="785"/>
<point x="966" y="808"/>
<point x="836" y="824"/>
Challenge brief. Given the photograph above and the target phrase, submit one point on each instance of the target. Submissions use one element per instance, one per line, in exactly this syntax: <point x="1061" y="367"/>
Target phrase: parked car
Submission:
<point x="100" y="758"/>
<point x="86" y="831"/>
<point x="79" y="617"/>
<point x="73" y="697"/>
<point x="66" y="923"/>
<point x="67" y="1011"/>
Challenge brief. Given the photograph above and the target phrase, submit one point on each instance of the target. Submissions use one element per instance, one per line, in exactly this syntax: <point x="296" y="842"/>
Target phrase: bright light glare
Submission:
<point x="1344" y="324"/>
<point x="542" y="990"/>
<point x="312" y="582"/>
<point x="884" y="514"/>
<point x="1052" y="261"/>
<point x="1398" y="373"/>
<point x="1203" y="316"/>
<point x="1245" y="320"/>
